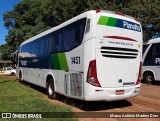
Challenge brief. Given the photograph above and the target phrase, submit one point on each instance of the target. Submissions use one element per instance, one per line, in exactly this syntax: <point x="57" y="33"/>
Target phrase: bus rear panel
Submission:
<point x="114" y="69"/>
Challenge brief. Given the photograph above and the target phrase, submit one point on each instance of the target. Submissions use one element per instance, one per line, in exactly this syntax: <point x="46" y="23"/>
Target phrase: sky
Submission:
<point x="5" y="6"/>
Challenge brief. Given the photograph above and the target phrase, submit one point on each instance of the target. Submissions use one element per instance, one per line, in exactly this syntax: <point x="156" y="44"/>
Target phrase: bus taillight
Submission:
<point x="139" y="74"/>
<point x="92" y="74"/>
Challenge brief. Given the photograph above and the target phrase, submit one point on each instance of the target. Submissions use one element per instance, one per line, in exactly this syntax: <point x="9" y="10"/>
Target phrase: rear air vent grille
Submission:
<point x="115" y="52"/>
<point x="76" y="84"/>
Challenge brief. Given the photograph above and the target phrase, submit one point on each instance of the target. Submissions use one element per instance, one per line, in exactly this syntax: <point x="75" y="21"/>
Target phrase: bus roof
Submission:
<point x="151" y="41"/>
<point x="117" y="13"/>
<point x="74" y="19"/>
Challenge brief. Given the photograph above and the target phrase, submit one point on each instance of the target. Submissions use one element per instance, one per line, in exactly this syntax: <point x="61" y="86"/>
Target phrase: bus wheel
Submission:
<point x="149" y="79"/>
<point x="50" y="89"/>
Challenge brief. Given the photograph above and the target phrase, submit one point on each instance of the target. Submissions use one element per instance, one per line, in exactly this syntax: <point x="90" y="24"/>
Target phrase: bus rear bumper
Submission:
<point x="109" y="94"/>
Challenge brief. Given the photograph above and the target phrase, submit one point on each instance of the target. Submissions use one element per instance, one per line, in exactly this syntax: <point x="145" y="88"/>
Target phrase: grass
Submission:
<point x="16" y="97"/>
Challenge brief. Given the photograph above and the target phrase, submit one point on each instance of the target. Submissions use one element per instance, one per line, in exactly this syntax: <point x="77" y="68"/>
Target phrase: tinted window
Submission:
<point x="73" y="34"/>
<point x="80" y="31"/>
<point x="144" y="48"/>
<point x="154" y="50"/>
<point x="69" y="34"/>
<point x="41" y="45"/>
<point x="57" y="41"/>
<point x="24" y="51"/>
<point x="47" y="44"/>
<point x="61" y="40"/>
<point x="33" y="48"/>
<point x="8" y="69"/>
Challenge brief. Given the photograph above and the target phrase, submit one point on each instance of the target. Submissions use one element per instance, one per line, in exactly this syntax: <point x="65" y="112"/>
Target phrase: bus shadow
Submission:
<point x="84" y="105"/>
<point x="156" y="84"/>
<point x="94" y="105"/>
<point x="35" y="87"/>
<point x="104" y="105"/>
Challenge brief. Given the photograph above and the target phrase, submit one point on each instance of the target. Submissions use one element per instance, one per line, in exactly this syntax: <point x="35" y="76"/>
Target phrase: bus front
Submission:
<point x="114" y="72"/>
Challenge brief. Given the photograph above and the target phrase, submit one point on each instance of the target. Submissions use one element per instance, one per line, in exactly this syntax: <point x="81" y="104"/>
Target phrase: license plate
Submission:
<point x="119" y="92"/>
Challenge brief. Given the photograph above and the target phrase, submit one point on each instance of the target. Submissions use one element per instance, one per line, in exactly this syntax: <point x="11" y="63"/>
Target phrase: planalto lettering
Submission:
<point x="131" y="26"/>
<point x="157" y="60"/>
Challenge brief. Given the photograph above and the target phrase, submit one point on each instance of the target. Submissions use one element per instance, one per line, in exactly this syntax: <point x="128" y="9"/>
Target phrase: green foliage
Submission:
<point x="148" y="12"/>
<point x="5" y="52"/>
<point x="31" y="17"/>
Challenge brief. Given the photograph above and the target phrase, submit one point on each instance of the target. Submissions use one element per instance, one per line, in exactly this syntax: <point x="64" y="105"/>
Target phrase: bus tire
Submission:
<point x="149" y="78"/>
<point x="50" y="89"/>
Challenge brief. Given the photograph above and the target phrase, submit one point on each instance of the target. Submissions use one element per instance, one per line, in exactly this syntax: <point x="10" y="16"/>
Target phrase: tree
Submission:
<point x="148" y="13"/>
<point x="5" y="52"/>
<point x="31" y="17"/>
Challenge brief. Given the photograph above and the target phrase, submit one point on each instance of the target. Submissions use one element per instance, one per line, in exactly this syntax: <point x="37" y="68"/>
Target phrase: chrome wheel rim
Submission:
<point x="50" y="89"/>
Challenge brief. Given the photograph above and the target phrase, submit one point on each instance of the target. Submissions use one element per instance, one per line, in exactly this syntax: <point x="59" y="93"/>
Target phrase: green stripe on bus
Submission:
<point x="108" y="21"/>
<point x="59" y="61"/>
<point x="55" y="61"/>
<point x="63" y="61"/>
<point x="103" y="20"/>
<point x="112" y="21"/>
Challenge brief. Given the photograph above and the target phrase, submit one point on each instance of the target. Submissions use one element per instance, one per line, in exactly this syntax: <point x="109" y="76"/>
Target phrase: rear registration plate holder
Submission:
<point x="119" y="92"/>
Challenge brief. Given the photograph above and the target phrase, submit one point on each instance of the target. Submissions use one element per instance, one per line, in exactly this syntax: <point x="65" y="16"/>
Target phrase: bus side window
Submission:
<point x="69" y="36"/>
<point x="144" y="48"/>
<point x="149" y="54"/>
<point x="50" y="42"/>
<point x="157" y="50"/>
<point x="57" y="43"/>
<point x="154" y="50"/>
<point x="80" y="27"/>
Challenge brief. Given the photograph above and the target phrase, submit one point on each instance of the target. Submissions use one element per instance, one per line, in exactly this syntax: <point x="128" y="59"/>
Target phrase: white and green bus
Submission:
<point x="94" y="56"/>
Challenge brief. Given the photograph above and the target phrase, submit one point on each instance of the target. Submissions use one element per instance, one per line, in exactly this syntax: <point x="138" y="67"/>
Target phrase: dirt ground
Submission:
<point x="147" y="101"/>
